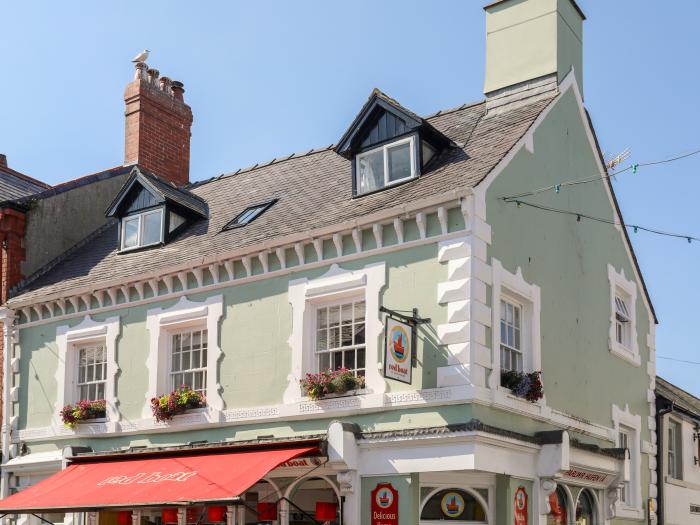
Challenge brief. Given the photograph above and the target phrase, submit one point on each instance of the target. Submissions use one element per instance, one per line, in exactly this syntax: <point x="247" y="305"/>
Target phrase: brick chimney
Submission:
<point x="158" y="125"/>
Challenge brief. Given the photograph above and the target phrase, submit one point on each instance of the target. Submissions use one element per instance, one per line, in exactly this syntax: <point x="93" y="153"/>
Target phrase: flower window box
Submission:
<point x="523" y="384"/>
<point x="84" y="412"/>
<point x="332" y="383"/>
<point x="177" y="402"/>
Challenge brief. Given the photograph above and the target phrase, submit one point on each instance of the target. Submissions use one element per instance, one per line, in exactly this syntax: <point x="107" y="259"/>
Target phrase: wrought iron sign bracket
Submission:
<point x="414" y="320"/>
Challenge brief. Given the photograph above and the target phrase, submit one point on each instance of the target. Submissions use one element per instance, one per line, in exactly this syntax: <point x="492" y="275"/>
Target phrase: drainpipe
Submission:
<point x="662" y="408"/>
<point x="7" y="317"/>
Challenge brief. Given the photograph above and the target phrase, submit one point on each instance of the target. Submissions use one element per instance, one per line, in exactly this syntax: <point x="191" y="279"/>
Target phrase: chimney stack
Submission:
<point x="532" y="45"/>
<point x="3" y="160"/>
<point x="158" y="124"/>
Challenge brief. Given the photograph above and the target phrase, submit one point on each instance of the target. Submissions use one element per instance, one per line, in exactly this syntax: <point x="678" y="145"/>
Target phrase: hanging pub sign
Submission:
<point x="398" y="351"/>
<point x="520" y="507"/>
<point x="385" y="505"/>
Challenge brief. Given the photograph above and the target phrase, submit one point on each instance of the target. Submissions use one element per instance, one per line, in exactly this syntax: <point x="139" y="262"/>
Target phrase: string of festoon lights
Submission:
<point x="557" y="188"/>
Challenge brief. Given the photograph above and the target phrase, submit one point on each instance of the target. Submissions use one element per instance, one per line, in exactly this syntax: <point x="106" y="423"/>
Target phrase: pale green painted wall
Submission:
<point x="568" y="261"/>
<point x="256" y="326"/>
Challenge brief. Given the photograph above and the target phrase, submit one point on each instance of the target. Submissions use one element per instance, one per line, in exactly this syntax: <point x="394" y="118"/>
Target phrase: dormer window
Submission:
<point x="152" y="211"/>
<point x="142" y="229"/>
<point x="388" y="145"/>
<point x="385" y="165"/>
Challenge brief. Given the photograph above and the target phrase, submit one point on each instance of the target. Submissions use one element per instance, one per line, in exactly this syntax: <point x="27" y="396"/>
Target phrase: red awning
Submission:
<point x="151" y="482"/>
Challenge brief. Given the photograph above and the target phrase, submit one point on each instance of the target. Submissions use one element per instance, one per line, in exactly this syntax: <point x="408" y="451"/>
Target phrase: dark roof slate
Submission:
<point x="678" y="396"/>
<point x="15" y="186"/>
<point x="313" y="189"/>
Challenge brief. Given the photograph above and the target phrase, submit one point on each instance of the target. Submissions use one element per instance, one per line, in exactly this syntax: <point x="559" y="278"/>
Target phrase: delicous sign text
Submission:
<point x="385" y="505"/>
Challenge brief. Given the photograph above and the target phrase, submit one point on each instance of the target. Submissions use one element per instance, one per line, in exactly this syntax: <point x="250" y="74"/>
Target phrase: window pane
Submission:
<point x="359" y="311"/>
<point x="370" y="171"/>
<point x="337" y="360"/>
<point x="322" y="340"/>
<point x="324" y="361"/>
<point x="360" y="358"/>
<point x="360" y="334"/>
<point x="322" y="318"/>
<point x="334" y="316"/>
<point x="346" y="335"/>
<point x="151" y="228"/>
<point x="399" y="162"/>
<point x="130" y="232"/>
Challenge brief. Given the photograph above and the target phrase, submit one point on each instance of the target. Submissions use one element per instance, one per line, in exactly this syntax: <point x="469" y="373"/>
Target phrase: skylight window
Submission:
<point x="249" y="215"/>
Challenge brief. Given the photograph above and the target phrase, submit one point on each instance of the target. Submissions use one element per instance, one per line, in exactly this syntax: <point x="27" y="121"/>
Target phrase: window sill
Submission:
<point x="387" y="186"/>
<point x="349" y="393"/>
<point x="625" y="353"/>
<point x="92" y="421"/>
<point x="623" y="511"/>
<point x="510" y="395"/>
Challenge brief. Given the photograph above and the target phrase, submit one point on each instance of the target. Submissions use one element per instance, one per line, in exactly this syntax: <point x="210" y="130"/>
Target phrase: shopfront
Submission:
<point x="281" y="484"/>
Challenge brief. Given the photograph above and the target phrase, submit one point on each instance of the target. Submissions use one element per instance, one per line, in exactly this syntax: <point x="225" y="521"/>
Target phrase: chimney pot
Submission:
<point x="178" y="89"/>
<point x="165" y="84"/>
<point x="140" y="72"/>
<point x="153" y="75"/>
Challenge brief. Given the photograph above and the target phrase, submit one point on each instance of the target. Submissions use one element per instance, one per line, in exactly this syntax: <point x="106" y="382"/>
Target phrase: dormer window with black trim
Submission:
<point x="152" y="211"/>
<point x="388" y="145"/>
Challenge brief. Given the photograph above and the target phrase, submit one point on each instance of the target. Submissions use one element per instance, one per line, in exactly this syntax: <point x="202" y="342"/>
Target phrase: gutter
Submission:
<point x="660" y="465"/>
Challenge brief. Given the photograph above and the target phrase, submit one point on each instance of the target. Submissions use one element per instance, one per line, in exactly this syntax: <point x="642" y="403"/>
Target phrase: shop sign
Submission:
<point x="585" y="475"/>
<point x="303" y="462"/>
<point x="385" y="505"/>
<point x="452" y="505"/>
<point x="520" y="506"/>
<point x="398" y="351"/>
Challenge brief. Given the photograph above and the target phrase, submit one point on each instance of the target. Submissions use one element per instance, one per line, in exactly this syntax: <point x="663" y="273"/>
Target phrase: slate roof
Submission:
<point x="314" y="190"/>
<point x="14" y="185"/>
<point x="680" y="397"/>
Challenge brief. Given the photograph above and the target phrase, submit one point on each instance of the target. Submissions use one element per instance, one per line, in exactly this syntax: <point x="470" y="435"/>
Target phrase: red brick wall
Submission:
<point x="12" y="224"/>
<point x="158" y="126"/>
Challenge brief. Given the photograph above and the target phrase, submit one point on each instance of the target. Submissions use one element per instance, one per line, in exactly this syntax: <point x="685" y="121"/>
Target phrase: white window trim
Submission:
<point x="337" y="283"/>
<point x="161" y="322"/>
<point x="140" y="217"/>
<point x="619" y="281"/>
<point x="683" y="453"/>
<point x="634" y="509"/>
<point x="384" y="148"/>
<point x="514" y="287"/>
<point x="68" y="339"/>
<point x="325" y="304"/>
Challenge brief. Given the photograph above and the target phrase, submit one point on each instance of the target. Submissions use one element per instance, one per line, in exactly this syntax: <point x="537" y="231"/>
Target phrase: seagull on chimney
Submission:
<point x="141" y="57"/>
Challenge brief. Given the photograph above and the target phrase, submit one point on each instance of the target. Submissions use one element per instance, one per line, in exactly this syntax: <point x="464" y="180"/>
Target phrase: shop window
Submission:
<point x="92" y="372"/>
<point x="675" y="450"/>
<point x="623" y="329"/>
<point x="585" y="509"/>
<point x="558" y="508"/>
<point x="340" y="336"/>
<point x="453" y="505"/>
<point x="188" y="360"/>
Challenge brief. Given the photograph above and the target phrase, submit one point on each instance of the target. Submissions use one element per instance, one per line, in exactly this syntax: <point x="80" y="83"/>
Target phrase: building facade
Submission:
<point x="678" y="470"/>
<point x="497" y="362"/>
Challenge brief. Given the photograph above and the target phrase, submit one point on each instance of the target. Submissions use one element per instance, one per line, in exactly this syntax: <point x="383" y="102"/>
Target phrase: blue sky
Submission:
<point x="268" y="78"/>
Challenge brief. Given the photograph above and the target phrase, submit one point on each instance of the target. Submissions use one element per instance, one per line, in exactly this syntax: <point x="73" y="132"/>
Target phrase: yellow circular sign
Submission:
<point x="399" y="343"/>
<point x="452" y="505"/>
